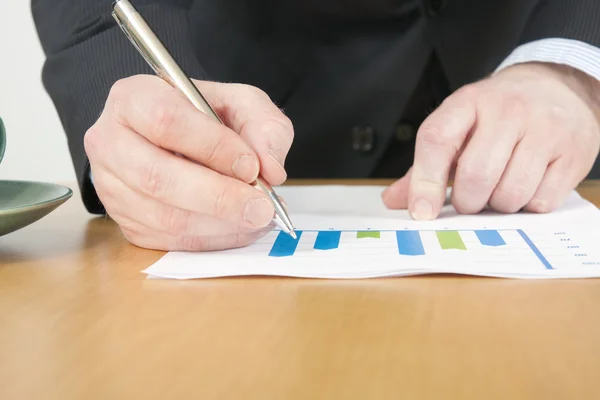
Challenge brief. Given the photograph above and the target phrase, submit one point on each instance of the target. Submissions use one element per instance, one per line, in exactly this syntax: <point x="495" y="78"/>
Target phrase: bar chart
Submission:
<point x="531" y="252"/>
<point x="403" y="242"/>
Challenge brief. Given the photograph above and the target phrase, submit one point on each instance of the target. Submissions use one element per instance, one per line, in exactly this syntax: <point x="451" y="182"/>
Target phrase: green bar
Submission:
<point x="450" y="240"/>
<point x="367" y="234"/>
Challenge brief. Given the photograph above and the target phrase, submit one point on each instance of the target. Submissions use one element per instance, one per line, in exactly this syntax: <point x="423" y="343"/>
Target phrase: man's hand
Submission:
<point x="202" y="199"/>
<point x="521" y="139"/>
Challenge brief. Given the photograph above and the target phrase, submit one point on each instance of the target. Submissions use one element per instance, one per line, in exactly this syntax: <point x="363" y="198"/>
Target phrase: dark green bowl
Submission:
<point x="23" y="203"/>
<point x="2" y="139"/>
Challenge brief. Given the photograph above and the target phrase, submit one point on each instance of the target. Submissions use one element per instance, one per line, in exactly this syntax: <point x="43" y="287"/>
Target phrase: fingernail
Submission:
<point x="422" y="210"/>
<point x="259" y="212"/>
<point x="245" y="168"/>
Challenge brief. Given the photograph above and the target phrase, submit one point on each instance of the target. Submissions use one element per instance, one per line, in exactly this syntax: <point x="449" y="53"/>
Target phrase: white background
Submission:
<point x="36" y="145"/>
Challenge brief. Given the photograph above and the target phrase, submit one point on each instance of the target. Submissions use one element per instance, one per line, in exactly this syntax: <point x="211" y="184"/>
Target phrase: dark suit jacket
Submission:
<point x="344" y="71"/>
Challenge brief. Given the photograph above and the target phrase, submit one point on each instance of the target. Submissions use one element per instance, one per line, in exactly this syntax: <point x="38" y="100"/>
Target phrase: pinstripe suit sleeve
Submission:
<point x="567" y="19"/>
<point x="564" y="32"/>
<point x="86" y="52"/>
<point x="579" y="55"/>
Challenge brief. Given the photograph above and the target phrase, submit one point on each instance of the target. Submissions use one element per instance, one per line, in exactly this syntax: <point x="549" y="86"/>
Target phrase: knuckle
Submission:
<point x="117" y="95"/>
<point x="109" y="199"/>
<point x="129" y="234"/>
<point x="127" y="227"/>
<point x="469" y="91"/>
<point x="431" y="134"/>
<point x="539" y="155"/>
<point x="510" y="199"/>
<point x="247" y="91"/>
<point x="176" y="221"/>
<point x="221" y="202"/>
<point x="141" y="237"/>
<point x="254" y="91"/>
<point x="156" y="181"/>
<point x="163" y="117"/>
<point x="288" y="128"/>
<point x="513" y="106"/>
<point x="194" y="243"/>
<point x="475" y="174"/>
<point x="138" y="239"/>
<point x="214" y="148"/>
<point x="238" y="240"/>
<point x="210" y="243"/>
<point x="92" y="140"/>
<point x="120" y="88"/>
<point x="107" y="193"/>
<point x="559" y="117"/>
<point x="279" y="133"/>
<point x="570" y="163"/>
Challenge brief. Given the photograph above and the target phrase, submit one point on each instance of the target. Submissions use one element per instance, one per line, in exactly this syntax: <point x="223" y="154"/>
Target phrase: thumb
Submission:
<point x="396" y="195"/>
<point x="250" y="112"/>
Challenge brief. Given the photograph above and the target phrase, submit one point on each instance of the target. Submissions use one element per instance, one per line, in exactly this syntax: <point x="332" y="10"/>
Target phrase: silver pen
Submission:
<point x="156" y="55"/>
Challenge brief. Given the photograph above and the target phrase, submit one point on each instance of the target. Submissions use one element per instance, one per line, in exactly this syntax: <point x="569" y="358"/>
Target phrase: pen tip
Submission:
<point x="293" y="234"/>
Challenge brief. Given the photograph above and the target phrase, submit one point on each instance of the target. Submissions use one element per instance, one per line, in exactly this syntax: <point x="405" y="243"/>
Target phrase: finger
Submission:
<point x="152" y="108"/>
<point x="439" y="139"/>
<point x="175" y="181"/>
<point x="561" y="177"/>
<point x="523" y="174"/>
<point x="139" y="237"/>
<point x="395" y="196"/>
<point x="158" y="217"/>
<point x="159" y="228"/>
<point x="486" y="156"/>
<point x="250" y="112"/>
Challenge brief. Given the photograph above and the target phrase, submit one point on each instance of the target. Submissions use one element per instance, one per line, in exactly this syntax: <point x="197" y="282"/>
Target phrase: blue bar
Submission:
<point x="327" y="240"/>
<point x="537" y="252"/>
<point x="409" y="243"/>
<point x="285" y="245"/>
<point x="490" y="238"/>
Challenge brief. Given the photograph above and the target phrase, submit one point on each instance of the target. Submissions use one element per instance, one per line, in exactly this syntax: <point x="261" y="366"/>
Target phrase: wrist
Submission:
<point x="586" y="86"/>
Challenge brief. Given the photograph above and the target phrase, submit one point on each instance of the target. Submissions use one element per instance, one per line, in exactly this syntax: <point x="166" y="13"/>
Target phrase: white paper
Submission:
<point x="561" y="244"/>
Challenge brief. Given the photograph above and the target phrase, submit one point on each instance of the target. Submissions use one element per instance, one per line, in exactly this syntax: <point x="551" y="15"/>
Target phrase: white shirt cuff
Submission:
<point x="579" y="55"/>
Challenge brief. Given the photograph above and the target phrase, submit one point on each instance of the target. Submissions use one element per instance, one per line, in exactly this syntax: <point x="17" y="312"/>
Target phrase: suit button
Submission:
<point x="405" y="132"/>
<point x="434" y="7"/>
<point x="363" y="139"/>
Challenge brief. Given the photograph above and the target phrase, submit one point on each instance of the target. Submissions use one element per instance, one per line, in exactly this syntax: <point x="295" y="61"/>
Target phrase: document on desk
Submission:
<point x="346" y="232"/>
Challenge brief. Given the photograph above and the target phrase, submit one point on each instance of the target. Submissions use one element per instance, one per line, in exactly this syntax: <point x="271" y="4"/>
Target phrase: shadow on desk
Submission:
<point x="52" y="240"/>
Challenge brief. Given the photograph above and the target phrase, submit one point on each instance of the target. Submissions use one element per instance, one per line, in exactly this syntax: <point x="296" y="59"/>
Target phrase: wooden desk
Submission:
<point x="79" y="321"/>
